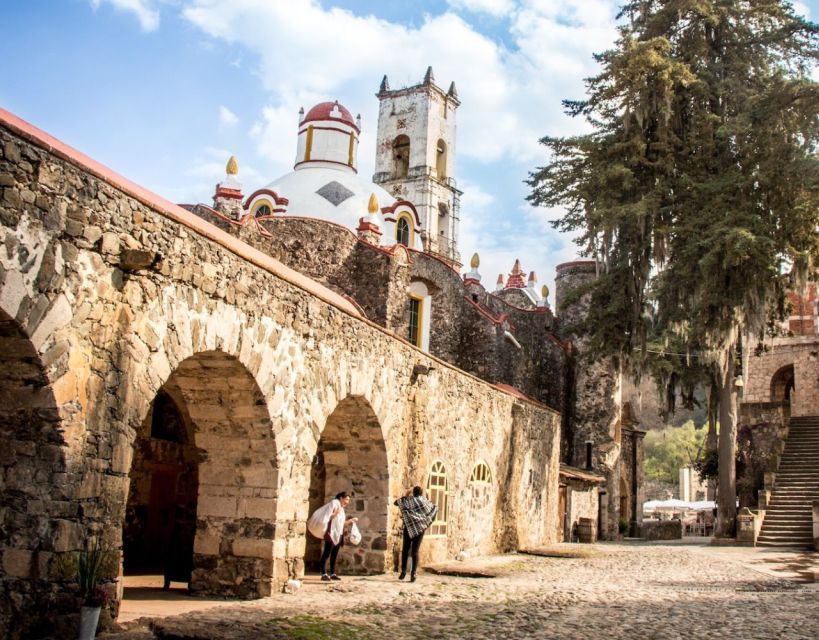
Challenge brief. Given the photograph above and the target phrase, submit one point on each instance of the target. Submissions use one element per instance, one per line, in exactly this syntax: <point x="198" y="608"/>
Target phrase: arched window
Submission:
<point x="480" y="486"/>
<point x="437" y="487"/>
<point x="261" y="210"/>
<point x="400" y="156"/>
<point x="440" y="160"/>
<point x="403" y="232"/>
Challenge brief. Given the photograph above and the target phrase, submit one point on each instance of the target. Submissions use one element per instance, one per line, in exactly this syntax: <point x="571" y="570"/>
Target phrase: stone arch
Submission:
<point x="441" y="159"/>
<point x="32" y="482"/>
<point x="352" y="456"/>
<point x="400" y="156"/>
<point x="236" y="469"/>
<point x="782" y="384"/>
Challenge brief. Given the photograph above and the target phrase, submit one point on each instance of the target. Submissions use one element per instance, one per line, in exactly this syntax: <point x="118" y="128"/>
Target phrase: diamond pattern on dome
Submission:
<point x="335" y="193"/>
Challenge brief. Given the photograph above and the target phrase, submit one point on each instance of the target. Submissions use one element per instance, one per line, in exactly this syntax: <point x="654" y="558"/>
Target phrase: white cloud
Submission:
<point x="227" y="117"/>
<point x="492" y="7"/>
<point x="144" y="11"/>
<point x="510" y="97"/>
<point x="510" y="87"/>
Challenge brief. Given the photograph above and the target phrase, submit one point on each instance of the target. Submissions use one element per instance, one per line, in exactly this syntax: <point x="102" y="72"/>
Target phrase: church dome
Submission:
<point x="332" y="111"/>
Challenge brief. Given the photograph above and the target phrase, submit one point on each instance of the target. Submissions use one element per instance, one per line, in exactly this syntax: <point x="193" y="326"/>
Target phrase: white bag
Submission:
<point x="317" y="524"/>
<point x="355" y="534"/>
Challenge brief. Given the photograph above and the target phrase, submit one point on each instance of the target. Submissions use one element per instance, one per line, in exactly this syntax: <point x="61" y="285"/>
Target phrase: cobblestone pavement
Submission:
<point x="621" y="591"/>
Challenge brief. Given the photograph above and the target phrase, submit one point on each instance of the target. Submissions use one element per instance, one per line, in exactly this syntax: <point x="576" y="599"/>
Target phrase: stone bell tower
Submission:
<point x="415" y="158"/>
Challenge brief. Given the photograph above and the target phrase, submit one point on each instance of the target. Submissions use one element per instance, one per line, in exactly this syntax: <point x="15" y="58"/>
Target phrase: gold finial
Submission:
<point x="232" y="166"/>
<point x="475" y="262"/>
<point x="372" y="205"/>
<point x="544" y="291"/>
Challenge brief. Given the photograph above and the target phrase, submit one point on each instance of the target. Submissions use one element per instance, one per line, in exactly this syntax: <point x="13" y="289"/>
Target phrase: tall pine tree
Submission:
<point x="699" y="186"/>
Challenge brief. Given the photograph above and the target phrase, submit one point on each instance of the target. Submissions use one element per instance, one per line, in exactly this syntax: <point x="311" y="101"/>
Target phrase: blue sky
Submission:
<point x="163" y="91"/>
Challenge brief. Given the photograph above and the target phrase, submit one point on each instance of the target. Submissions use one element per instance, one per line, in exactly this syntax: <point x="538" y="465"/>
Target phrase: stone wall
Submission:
<point x="468" y="326"/>
<point x="593" y="412"/>
<point x="110" y="294"/>
<point x="661" y="530"/>
<point x="800" y="352"/>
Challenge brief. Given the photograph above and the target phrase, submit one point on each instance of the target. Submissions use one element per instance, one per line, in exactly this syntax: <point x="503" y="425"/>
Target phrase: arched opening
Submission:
<point x="440" y="160"/>
<point x="32" y="486"/>
<point x="438" y="491"/>
<point x="400" y="156"/>
<point x="160" y="519"/>
<point x="782" y="384"/>
<point x="352" y="457"/>
<point x="202" y="497"/>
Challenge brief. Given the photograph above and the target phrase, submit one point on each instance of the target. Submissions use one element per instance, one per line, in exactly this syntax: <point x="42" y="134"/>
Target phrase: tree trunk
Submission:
<point x="711" y="438"/>
<point x="727" y="494"/>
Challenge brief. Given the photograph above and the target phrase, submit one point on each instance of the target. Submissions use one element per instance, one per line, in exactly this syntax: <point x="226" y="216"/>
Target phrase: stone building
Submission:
<point x="185" y="384"/>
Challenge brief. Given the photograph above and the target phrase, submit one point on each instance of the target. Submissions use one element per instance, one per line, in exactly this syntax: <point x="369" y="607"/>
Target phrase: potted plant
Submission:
<point x="93" y="570"/>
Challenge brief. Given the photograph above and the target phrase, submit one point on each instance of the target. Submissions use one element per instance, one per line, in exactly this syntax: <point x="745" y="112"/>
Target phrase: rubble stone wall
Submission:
<point x="108" y="293"/>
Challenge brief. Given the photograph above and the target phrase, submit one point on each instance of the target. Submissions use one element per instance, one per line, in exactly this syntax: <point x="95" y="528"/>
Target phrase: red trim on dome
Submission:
<point x="316" y="161"/>
<point x="315" y="128"/>
<point x="321" y="112"/>
<point x="266" y="192"/>
<point x="399" y="203"/>
<point x="222" y="192"/>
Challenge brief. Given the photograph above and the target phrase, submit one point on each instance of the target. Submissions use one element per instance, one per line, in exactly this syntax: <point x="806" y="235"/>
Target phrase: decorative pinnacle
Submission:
<point x="232" y="167"/>
<point x="385" y="85"/>
<point x="544" y="291"/>
<point x="452" y="90"/>
<point x="475" y="262"/>
<point x="428" y="77"/>
<point x="372" y="205"/>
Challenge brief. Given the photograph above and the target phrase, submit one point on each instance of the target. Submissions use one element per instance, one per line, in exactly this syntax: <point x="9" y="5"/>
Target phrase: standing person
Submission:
<point x="417" y="513"/>
<point x="334" y="535"/>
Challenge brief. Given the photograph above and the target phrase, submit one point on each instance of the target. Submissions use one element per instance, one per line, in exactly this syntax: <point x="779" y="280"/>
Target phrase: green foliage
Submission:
<point x="669" y="449"/>
<point x="622" y="526"/>
<point x="90" y="568"/>
<point x="699" y="180"/>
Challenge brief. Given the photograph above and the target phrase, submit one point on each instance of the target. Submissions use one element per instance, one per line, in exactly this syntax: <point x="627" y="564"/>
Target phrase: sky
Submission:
<point x="165" y="91"/>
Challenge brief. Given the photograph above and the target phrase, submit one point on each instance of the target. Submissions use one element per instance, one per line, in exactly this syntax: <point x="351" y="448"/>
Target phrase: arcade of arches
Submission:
<point x="161" y="382"/>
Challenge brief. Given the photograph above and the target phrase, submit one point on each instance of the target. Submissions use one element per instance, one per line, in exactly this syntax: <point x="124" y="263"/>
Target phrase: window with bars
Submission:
<point x="437" y="489"/>
<point x="415" y="308"/>
<point x="480" y="486"/>
<point x="403" y="233"/>
<point x="262" y="210"/>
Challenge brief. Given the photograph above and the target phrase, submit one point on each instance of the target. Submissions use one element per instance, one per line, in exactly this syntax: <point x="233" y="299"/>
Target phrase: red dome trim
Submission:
<point x="322" y="112"/>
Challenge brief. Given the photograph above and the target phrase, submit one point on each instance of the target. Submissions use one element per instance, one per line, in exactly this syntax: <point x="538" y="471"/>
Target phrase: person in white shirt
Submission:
<point x="334" y="535"/>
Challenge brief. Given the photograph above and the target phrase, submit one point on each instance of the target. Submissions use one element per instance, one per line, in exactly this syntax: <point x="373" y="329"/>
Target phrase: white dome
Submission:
<point x="328" y="193"/>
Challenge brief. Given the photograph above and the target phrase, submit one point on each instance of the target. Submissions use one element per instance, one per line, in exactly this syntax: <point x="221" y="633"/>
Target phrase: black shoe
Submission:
<point x="334" y="577"/>
<point x="412" y="578"/>
<point x="325" y="577"/>
<point x="402" y="575"/>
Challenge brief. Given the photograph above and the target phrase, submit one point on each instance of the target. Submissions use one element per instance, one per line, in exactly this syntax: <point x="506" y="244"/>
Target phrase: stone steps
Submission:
<point x="789" y="517"/>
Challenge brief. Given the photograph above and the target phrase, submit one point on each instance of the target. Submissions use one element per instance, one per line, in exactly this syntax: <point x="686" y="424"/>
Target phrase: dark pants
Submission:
<point x="330" y="551"/>
<point x="411" y="546"/>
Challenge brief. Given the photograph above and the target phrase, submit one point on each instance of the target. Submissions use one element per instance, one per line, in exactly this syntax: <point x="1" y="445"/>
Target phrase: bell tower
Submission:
<point x="415" y="158"/>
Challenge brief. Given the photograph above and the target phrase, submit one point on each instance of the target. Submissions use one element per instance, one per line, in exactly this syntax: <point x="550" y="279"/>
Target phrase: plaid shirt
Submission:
<point x="417" y="512"/>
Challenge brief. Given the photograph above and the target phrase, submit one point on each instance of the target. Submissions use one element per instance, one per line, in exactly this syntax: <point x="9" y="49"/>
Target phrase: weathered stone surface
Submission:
<point x="257" y="376"/>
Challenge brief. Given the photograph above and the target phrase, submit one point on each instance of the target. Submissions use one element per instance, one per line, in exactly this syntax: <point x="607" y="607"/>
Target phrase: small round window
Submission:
<point x="480" y="486"/>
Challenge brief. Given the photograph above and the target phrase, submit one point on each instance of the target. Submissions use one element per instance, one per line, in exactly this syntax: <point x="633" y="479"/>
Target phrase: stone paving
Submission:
<point x="623" y="591"/>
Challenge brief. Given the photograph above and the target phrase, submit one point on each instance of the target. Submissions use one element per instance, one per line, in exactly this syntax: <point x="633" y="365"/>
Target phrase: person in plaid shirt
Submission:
<point x="417" y="513"/>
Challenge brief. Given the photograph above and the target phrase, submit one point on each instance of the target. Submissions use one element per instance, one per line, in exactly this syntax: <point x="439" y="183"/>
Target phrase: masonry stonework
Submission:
<point x="110" y="295"/>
